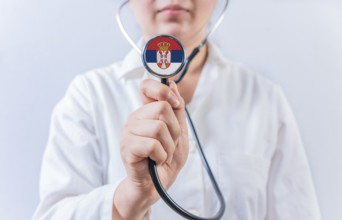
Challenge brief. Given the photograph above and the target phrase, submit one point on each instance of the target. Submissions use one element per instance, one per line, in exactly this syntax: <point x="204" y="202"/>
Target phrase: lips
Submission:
<point x="172" y="9"/>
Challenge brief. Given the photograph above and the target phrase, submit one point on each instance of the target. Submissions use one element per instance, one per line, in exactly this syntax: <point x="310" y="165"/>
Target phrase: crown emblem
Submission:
<point x="163" y="46"/>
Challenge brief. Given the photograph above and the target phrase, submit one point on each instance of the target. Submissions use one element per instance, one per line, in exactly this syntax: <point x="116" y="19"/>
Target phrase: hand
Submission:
<point x="157" y="130"/>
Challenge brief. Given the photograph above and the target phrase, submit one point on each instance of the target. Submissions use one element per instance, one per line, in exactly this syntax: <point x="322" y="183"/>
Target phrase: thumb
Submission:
<point x="182" y="148"/>
<point x="179" y="110"/>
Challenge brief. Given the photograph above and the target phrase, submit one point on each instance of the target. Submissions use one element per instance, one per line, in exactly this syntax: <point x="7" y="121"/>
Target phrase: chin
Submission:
<point x="174" y="30"/>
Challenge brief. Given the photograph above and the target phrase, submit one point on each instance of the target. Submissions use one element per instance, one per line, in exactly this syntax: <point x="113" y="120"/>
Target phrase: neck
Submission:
<point x="198" y="62"/>
<point x="188" y="84"/>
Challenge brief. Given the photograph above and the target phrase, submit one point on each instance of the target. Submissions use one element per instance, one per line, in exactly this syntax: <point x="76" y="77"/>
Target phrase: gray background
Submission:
<point x="44" y="44"/>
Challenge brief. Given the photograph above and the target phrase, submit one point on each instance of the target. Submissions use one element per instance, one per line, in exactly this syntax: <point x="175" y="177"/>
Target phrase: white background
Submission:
<point x="44" y="44"/>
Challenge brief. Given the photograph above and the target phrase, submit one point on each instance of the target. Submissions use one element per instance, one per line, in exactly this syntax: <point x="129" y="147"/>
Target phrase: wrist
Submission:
<point x="131" y="201"/>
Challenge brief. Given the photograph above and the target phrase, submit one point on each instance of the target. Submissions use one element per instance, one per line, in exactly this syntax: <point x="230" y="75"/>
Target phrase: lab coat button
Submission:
<point x="192" y="147"/>
<point x="194" y="212"/>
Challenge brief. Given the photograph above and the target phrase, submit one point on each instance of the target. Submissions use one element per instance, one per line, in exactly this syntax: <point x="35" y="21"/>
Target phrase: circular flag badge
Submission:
<point x="163" y="56"/>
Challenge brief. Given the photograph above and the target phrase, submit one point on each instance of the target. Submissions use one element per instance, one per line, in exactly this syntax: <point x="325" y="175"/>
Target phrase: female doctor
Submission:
<point x="111" y="120"/>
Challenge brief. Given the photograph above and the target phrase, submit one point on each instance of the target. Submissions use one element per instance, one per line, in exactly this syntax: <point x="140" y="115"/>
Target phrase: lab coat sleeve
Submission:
<point x="73" y="167"/>
<point x="291" y="193"/>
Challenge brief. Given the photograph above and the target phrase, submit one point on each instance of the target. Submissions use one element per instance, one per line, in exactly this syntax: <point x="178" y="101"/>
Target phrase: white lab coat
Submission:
<point x="243" y="120"/>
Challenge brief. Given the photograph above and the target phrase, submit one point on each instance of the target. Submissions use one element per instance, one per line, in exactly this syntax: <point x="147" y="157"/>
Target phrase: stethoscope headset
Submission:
<point x="163" y="72"/>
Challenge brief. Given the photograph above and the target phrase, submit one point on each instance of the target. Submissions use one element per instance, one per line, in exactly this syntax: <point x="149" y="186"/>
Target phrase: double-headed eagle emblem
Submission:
<point x="163" y="55"/>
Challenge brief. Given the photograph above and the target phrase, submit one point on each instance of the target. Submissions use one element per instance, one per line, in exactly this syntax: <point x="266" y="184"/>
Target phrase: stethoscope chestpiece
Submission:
<point x="163" y="56"/>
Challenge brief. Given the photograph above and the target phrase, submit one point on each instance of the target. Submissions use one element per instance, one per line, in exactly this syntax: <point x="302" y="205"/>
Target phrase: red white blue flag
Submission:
<point x="164" y="55"/>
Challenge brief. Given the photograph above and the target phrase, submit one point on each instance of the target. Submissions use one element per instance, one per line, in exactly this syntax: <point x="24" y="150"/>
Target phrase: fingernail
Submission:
<point x="173" y="86"/>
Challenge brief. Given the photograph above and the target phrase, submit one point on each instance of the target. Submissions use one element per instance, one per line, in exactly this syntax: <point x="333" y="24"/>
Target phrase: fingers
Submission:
<point x="159" y="111"/>
<point x="136" y="147"/>
<point x="157" y="130"/>
<point x="152" y="90"/>
<point x="162" y="117"/>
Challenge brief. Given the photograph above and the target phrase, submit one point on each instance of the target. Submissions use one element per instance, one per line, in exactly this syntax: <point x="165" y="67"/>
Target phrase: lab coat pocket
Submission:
<point x="243" y="181"/>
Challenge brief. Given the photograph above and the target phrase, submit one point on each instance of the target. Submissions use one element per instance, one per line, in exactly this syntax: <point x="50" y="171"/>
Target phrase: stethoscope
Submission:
<point x="163" y="56"/>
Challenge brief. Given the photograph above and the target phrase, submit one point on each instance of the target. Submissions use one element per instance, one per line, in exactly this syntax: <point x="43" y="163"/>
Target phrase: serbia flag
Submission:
<point x="164" y="56"/>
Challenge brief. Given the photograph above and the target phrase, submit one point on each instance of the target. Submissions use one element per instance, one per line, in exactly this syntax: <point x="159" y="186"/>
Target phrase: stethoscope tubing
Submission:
<point x="166" y="197"/>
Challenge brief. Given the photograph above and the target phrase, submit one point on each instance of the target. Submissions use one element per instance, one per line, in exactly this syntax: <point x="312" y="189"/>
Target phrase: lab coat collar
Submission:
<point x="215" y="55"/>
<point x="132" y="63"/>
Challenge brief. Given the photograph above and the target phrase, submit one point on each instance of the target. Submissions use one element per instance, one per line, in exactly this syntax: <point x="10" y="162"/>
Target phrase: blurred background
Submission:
<point x="44" y="44"/>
